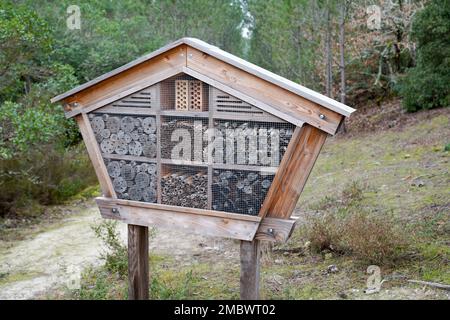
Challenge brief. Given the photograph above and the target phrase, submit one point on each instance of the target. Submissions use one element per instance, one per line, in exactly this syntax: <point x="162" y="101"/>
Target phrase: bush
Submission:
<point x="43" y="176"/>
<point x="115" y="254"/>
<point x="426" y="86"/>
<point x="344" y="226"/>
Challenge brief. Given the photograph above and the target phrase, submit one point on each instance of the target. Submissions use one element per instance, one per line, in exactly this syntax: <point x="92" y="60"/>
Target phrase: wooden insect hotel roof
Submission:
<point x="192" y="137"/>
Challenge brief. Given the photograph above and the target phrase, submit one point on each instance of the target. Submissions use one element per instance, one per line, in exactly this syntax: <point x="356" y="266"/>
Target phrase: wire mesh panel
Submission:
<point x="184" y="186"/>
<point x="133" y="180"/>
<point x="239" y="191"/>
<point x="125" y="134"/>
<point x="251" y="143"/>
<point x="183" y="138"/>
<point x="184" y="93"/>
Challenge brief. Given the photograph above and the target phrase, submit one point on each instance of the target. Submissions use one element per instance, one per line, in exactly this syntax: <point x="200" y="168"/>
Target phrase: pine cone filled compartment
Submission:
<point x="240" y="191"/>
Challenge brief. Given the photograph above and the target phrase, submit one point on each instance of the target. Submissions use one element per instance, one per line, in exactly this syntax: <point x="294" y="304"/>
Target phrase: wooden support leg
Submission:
<point x="138" y="275"/>
<point x="250" y="256"/>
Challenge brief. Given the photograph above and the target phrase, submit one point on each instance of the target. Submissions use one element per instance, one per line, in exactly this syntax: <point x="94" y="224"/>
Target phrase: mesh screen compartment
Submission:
<point x="184" y="186"/>
<point x="133" y="180"/>
<point x="184" y="93"/>
<point x="239" y="191"/>
<point x="251" y="143"/>
<point x="125" y="135"/>
<point x="182" y="138"/>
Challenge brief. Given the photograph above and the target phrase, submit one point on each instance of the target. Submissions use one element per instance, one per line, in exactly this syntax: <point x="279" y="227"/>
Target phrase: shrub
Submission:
<point x="345" y="226"/>
<point x="426" y="85"/>
<point x="115" y="254"/>
<point x="43" y="176"/>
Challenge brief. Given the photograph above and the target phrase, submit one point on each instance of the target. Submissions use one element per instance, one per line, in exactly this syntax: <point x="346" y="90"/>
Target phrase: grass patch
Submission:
<point x="346" y="226"/>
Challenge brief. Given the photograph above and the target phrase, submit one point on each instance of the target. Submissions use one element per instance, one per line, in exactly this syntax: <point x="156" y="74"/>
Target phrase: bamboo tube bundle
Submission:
<point x="239" y="191"/>
<point x="185" y="188"/>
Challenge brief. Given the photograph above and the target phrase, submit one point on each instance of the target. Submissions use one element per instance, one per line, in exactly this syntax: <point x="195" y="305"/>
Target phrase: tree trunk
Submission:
<point x="342" y="51"/>
<point x="328" y="75"/>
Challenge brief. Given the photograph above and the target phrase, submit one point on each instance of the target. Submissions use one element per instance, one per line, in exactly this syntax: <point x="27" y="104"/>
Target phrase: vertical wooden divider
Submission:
<point x="158" y="143"/>
<point x="210" y="136"/>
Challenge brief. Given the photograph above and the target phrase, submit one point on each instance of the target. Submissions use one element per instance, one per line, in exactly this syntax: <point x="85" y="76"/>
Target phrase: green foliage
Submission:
<point x="285" y="39"/>
<point x="426" y="86"/>
<point x="161" y="290"/>
<point x="28" y="127"/>
<point x="25" y="40"/>
<point x="45" y="175"/>
<point x="115" y="252"/>
<point x="447" y="147"/>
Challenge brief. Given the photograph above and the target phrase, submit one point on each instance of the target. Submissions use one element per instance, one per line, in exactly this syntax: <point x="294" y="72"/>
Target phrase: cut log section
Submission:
<point x="125" y="135"/>
<point x="133" y="180"/>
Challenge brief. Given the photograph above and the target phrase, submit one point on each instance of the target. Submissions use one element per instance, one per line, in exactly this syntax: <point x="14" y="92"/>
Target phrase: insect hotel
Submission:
<point x="191" y="137"/>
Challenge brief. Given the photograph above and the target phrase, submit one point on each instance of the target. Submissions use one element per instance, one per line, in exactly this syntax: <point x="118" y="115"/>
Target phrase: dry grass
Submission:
<point x="345" y="226"/>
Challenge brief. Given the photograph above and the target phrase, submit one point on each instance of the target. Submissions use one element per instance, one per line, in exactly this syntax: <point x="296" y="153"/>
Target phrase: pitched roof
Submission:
<point x="228" y="58"/>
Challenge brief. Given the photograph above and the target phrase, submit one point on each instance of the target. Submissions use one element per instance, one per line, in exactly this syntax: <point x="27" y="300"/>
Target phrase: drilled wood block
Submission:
<point x="195" y="95"/>
<point x="182" y="95"/>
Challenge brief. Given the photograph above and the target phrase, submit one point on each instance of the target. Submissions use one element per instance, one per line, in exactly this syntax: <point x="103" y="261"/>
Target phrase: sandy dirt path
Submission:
<point x="56" y="255"/>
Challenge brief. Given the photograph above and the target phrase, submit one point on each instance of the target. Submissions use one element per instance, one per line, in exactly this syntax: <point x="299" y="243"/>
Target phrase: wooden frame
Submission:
<point x="208" y="222"/>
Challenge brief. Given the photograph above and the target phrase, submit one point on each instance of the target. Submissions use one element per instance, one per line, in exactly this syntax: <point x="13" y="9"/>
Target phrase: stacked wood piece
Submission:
<point x="185" y="189"/>
<point x="282" y="132"/>
<point x="196" y="143"/>
<point x="125" y="135"/>
<point x="239" y="191"/>
<point x="132" y="180"/>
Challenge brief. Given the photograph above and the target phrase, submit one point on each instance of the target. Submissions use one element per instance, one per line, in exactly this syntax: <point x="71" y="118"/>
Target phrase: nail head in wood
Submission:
<point x="322" y="116"/>
<point x="115" y="210"/>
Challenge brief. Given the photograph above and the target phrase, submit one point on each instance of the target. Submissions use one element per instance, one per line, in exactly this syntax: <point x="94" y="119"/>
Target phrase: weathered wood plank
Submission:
<point x="244" y="97"/>
<point x="138" y="270"/>
<point x="297" y="171"/>
<point x="128" y="157"/>
<point x="250" y="268"/>
<point x="126" y="110"/>
<point x="130" y="79"/>
<point x="281" y="171"/>
<point x="95" y="156"/>
<point x="285" y="101"/>
<point x="206" y="222"/>
<point x="275" y="230"/>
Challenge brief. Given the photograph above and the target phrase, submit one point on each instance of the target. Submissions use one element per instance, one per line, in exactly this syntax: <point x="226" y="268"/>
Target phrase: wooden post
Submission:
<point x="250" y="256"/>
<point x="138" y="273"/>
